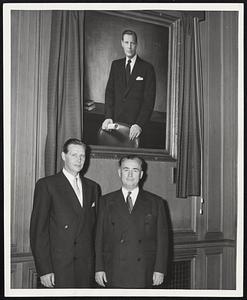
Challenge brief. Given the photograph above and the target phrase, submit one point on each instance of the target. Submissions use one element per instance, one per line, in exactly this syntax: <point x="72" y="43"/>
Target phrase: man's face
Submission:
<point x="130" y="173"/>
<point x="129" y="45"/>
<point x="74" y="159"/>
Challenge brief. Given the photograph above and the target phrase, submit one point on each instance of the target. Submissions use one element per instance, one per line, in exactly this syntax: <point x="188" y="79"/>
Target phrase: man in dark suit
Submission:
<point x="63" y="223"/>
<point x="131" y="88"/>
<point x="132" y="233"/>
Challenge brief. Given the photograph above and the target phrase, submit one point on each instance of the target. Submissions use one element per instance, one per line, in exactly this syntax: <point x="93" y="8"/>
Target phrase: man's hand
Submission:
<point x="135" y="131"/>
<point x="106" y="123"/>
<point x="100" y="278"/>
<point x="158" y="278"/>
<point x="48" y="280"/>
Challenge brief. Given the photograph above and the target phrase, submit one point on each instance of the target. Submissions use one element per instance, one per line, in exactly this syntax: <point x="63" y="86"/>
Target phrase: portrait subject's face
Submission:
<point x="129" y="45"/>
<point x="74" y="159"/>
<point x="130" y="173"/>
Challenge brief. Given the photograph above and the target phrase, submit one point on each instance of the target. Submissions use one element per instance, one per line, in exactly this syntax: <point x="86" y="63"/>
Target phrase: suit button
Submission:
<point x="122" y="241"/>
<point x="75" y="243"/>
<point x="66" y="226"/>
<point x="140" y="241"/>
<point x="138" y="259"/>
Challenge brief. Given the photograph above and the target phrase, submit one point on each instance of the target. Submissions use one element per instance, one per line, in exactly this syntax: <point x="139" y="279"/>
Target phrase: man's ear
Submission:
<point x="119" y="172"/>
<point x="63" y="156"/>
<point x="141" y="174"/>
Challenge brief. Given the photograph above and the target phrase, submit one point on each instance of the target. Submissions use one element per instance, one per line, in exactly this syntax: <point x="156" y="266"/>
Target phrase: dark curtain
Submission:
<point x="190" y="133"/>
<point x="65" y="85"/>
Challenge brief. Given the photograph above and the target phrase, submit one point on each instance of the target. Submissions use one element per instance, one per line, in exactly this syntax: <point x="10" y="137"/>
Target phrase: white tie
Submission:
<point x="77" y="190"/>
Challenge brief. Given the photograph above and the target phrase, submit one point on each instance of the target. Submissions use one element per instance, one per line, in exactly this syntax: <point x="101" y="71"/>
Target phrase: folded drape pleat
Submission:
<point x="189" y="163"/>
<point x="65" y="85"/>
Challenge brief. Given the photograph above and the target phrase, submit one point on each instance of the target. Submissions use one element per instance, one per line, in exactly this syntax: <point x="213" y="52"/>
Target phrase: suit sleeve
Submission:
<point x="39" y="229"/>
<point x="109" y="95"/>
<point x="99" y="265"/>
<point x="162" y="240"/>
<point x="148" y="97"/>
<point x="98" y="194"/>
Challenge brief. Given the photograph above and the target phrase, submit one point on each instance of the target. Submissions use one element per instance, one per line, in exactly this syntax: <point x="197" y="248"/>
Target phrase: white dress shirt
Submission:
<point x="132" y="63"/>
<point x="133" y="195"/>
<point x="71" y="179"/>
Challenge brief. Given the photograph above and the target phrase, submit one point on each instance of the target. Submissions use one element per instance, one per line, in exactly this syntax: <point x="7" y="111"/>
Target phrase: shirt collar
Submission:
<point x="70" y="176"/>
<point x="133" y="59"/>
<point x="134" y="192"/>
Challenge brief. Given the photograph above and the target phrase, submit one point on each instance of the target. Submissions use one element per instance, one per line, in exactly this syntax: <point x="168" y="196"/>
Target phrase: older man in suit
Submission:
<point x="63" y="223"/>
<point x="131" y="88"/>
<point x="132" y="233"/>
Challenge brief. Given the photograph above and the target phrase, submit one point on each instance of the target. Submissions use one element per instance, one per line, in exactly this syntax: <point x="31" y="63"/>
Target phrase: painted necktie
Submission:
<point x="127" y="70"/>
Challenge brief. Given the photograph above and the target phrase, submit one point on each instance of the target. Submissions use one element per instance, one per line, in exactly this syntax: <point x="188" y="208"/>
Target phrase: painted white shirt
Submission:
<point x="132" y="63"/>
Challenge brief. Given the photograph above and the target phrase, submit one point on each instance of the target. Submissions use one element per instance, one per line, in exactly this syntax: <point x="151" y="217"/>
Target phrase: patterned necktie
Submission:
<point x="127" y="70"/>
<point x="77" y="190"/>
<point x="129" y="202"/>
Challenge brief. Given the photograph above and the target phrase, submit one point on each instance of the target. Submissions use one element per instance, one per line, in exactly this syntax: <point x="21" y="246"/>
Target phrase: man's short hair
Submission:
<point x="131" y="157"/>
<point x="130" y="32"/>
<point x="73" y="141"/>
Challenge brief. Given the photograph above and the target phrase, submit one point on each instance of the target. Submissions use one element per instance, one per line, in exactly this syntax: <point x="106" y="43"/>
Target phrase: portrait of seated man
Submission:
<point x="131" y="88"/>
<point x="126" y="81"/>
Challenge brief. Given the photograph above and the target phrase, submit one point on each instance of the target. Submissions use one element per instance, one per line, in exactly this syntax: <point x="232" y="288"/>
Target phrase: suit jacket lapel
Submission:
<point x="140" y="210"/>
<point x="85" y="192"/>
<point x="122" y="75"/>
<point x="133" y="75"/>
<point x="141" y="205"/>
<point x="69" y="193"/>
<point x="120" y="206"/>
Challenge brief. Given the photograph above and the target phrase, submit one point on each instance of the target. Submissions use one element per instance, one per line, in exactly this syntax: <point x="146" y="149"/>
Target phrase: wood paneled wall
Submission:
<point x="207" y="240"/>
<point x="220" y="60"/>
<point x="29" y="72"/>
<point x="219" y="35"/>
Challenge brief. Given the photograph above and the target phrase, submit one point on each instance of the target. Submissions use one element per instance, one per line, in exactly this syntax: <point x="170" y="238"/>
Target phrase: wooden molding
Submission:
<point x="32" y="277"/>
<point x="214" y="236"/>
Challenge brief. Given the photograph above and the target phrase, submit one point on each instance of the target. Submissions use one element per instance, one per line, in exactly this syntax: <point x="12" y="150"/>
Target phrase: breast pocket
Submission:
<point x="148" y="219"/>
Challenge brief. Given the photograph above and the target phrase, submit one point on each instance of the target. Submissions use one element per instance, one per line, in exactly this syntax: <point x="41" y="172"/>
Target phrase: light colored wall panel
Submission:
<point x="213" y="123"/>
<point x="214" y="269"/>
<point x="229" y="268"/>
<point x="219" y="61"/>
<point x="24" y="275"/>
<point x="229" y="102"/>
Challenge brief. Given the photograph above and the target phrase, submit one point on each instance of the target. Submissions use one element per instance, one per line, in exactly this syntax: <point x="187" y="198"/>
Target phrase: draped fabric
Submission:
<point x="65" y="85"/>
<point x="190" y="133"/>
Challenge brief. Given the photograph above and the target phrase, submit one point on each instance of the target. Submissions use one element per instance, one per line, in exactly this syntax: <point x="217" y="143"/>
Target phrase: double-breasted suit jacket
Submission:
<point x="130" y="247"/>
<point x="130" y="103"/>
<point x="62" y="231"/>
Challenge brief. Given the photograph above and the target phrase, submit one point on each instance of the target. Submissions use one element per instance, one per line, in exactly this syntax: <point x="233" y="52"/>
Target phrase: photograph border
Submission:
<point x="169" y="155"/>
